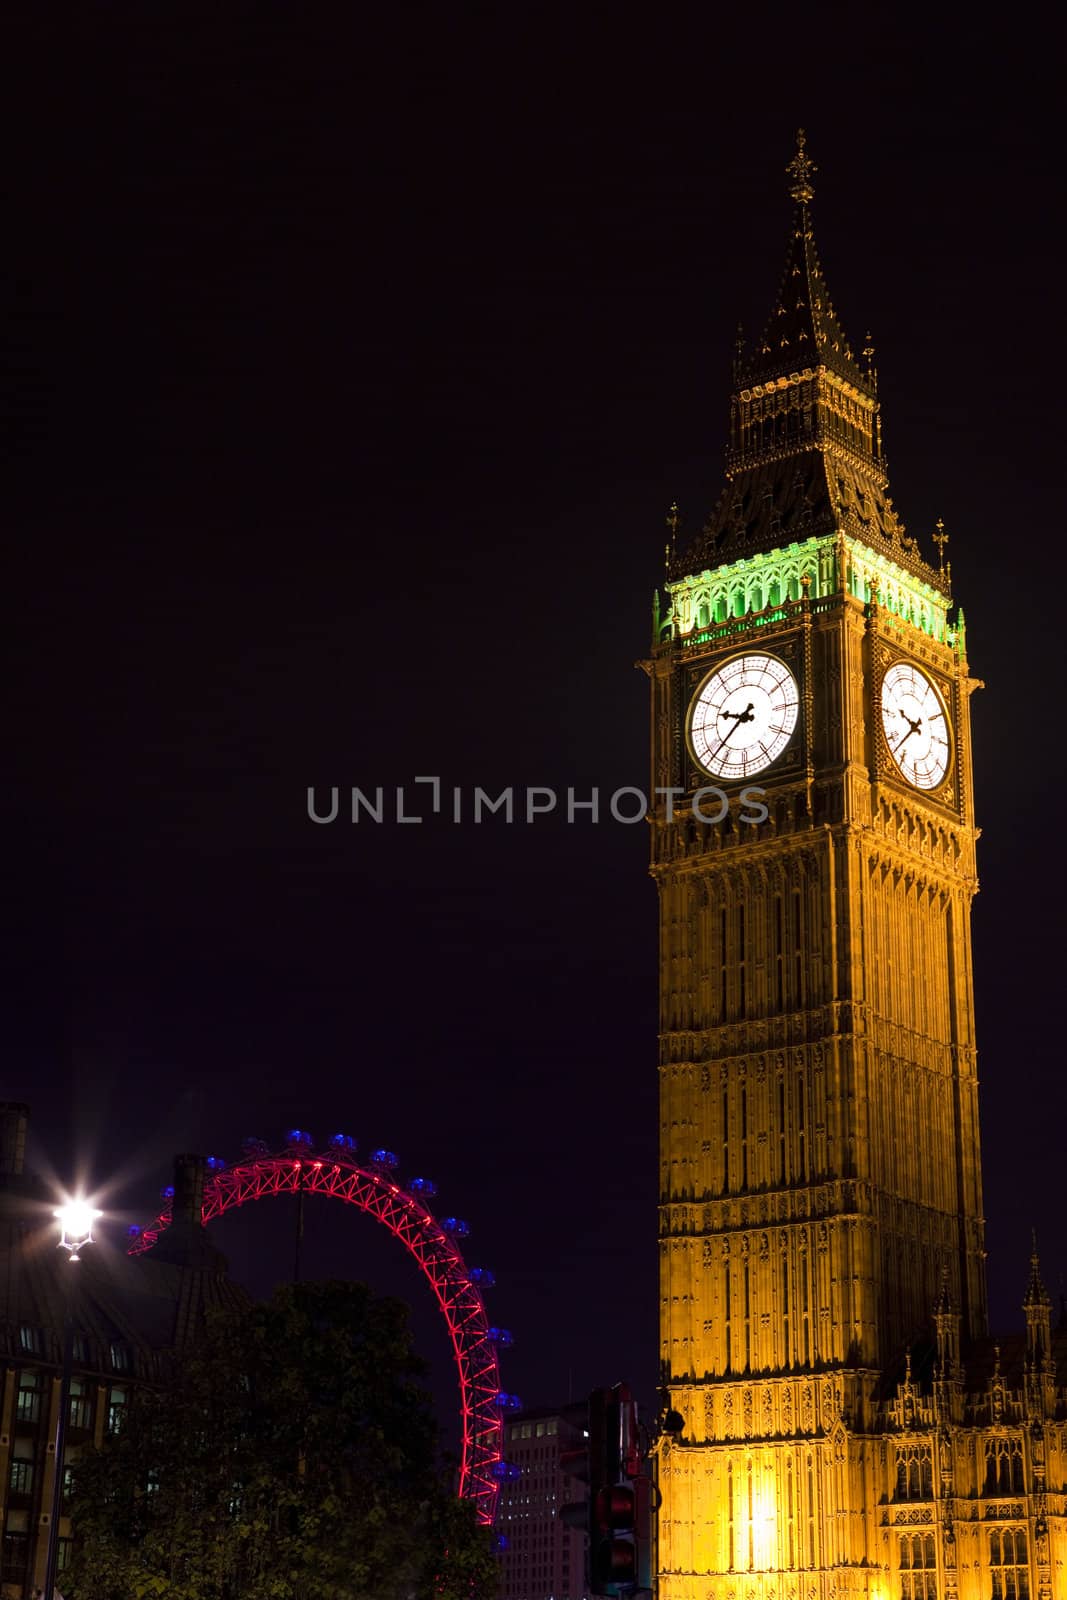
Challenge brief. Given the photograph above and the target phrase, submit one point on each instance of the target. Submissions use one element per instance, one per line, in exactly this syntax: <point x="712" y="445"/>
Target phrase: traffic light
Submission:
<point x="613" y="1541"/>
<point x="618" y="1496"/>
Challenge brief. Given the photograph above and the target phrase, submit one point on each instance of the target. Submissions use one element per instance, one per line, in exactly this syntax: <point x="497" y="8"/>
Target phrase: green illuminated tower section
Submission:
<point x="820" y="1173"/>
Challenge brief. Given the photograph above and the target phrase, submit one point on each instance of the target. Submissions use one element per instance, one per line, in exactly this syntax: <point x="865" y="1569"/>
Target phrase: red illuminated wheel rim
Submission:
<point x="438" y="1256"/>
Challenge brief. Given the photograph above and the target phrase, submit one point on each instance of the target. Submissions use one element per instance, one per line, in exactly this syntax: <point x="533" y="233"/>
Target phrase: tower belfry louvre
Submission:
<point x="822" y="1276"/>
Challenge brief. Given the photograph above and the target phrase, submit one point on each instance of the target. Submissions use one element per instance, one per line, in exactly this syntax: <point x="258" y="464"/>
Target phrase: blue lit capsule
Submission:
<point x="384" y="1158"/>
<point x="501" y="1336"/>
<point x="483" y="1277"/>
<point x="501" y="1542"/>
<point x="343" y="1141"/>
<point x="167" y="1193"/>
<point x="456" y="1226"/>
<point x="423" y="1186"/>
<point x="506" y="1471"/>
<point x="255" y="1147"/>
<point x="508" y="1402"/>
<point x="133" y="1231"/>
<point x="215" y="1164"/>
<point x="295" y="1139"/>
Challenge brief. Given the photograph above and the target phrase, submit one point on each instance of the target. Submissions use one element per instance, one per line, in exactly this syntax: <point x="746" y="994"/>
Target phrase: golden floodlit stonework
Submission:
<point x="848" y="1428"/>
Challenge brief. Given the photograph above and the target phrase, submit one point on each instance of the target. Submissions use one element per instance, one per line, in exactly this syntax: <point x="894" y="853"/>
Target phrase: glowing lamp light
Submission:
<point x="764" y="1529"/>
<point x="75" y="1220"/>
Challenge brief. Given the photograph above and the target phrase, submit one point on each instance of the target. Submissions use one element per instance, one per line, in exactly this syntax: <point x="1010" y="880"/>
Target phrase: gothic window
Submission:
<point x="918" y="1567"/>
<point x="812" y="1545"/>
<point x="802" y="1140"/>
<point x="805" y="1318"/>
<point x="774" y="593"/>
<point x="1004" y="1467"/>
<point x="702" y="614"/>
<point x="786" y="1352"/>
<point x="726" y="1319"/>
<point x="1009" y="1564"/>
<point x="720" y="609"/>
<point x="725" y="1140"/>
<point x="781" y="1131"/>
<point x="915" y="1473"/>
<point x="748" y="1318"/>
<point x="741" y="952"/>
<point x="730" y="1514"/>
<point x="790" y="1510"/>
<point x="744" y="1138"/>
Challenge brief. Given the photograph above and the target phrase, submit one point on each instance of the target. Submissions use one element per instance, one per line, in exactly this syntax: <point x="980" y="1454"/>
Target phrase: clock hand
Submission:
<point x="913" y="727"/>
<point x="747" y="715"/>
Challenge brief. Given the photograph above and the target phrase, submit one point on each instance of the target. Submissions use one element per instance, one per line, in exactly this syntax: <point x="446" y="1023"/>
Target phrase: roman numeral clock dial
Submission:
<point x="915" y="725"/>
<point x="743" y="716"/>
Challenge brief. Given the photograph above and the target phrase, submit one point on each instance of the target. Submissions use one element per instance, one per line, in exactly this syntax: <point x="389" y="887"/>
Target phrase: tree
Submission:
<point x="293" y="1458"/>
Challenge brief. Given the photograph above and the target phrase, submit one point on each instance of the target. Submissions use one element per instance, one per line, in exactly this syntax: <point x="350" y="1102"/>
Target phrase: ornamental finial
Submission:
<point x="800" y="170"/>
<point x="941" y="540"/>
<point x="674" y="522"/>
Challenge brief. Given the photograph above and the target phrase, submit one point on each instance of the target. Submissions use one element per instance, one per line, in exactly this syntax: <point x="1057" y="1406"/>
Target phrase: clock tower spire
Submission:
<point x="805" y="442"/>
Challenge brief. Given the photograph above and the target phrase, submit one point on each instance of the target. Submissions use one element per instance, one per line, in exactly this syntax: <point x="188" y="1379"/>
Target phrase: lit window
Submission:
<point x="116" y="1409"/>
<point x="30" y="1339"/>
<point x="21" y="1479"/>
<point x="28" y="1405"/>
<point x="918" y="1567"/>
<point x="1010" y="1565"/>
<point x="120" y="1356"/>
<point x="81" y="1404"/>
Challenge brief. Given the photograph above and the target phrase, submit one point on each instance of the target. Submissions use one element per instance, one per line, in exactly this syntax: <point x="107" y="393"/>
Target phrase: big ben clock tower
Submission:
<point x="820" y="1178"/>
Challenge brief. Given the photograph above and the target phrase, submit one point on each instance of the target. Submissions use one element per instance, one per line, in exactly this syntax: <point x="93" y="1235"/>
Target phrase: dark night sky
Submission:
<point x="355" y="364"/>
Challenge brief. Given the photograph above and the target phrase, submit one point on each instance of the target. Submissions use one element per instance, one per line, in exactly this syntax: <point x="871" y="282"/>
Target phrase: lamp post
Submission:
<point x="75" y="1232"/>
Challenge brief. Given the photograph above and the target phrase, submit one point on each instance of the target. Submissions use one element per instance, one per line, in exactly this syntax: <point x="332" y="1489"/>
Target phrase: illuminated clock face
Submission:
<point x="916" y="727"/>
<point x="743" y="717"/>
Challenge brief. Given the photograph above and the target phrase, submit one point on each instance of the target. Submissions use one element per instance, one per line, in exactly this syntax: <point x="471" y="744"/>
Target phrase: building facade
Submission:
<point x="848" y="1429"/>
<point x="129" y="1317"/>
<point x="545" y="1558"/>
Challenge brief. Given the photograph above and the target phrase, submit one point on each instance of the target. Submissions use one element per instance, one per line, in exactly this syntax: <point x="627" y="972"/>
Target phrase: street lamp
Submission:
<point x="75" y="1220"/>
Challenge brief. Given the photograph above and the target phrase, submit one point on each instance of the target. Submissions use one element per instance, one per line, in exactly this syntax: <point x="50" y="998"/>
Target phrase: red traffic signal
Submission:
<point x="613" y="1552"/>
<point x="615" y="1508"/>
